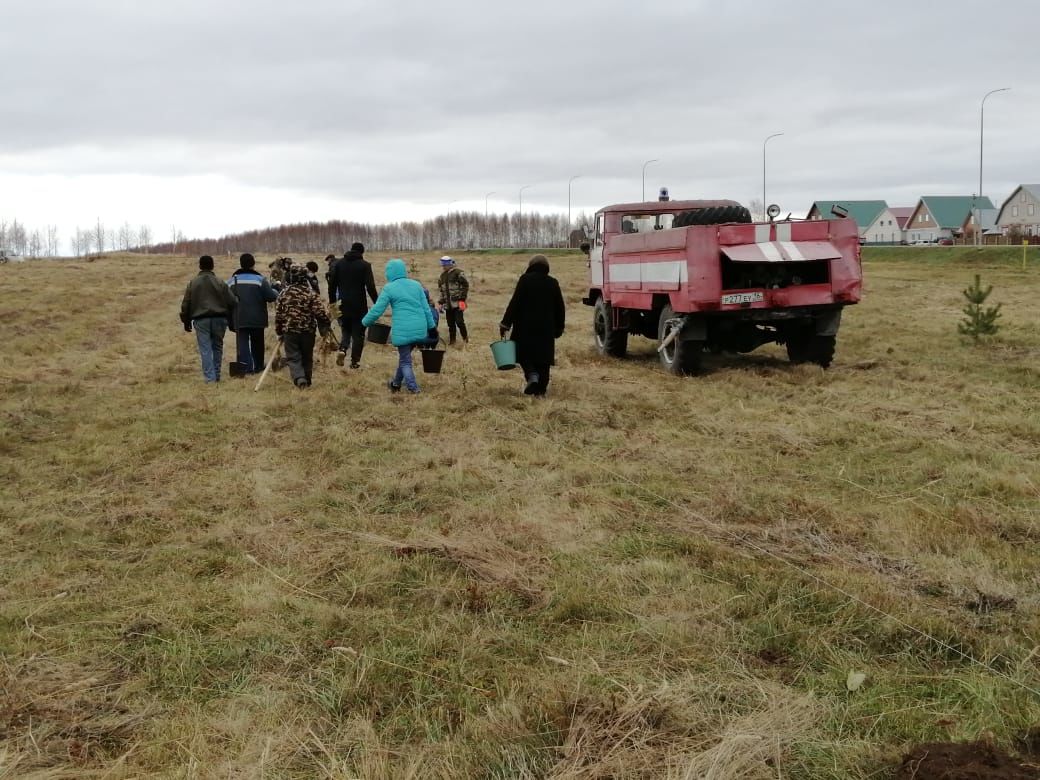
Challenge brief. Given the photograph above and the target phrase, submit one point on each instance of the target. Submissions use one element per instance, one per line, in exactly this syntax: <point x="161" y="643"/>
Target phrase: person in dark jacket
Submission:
<point x="206" y="306"/>
<point x="253" y="292"/>
<point x="536" y="315"/>
<point x="300" y="310"/>
<point x="352" y="276"/>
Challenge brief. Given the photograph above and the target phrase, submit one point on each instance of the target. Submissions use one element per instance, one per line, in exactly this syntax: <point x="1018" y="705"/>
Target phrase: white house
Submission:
<point x="1021" y="211"/>
<point x="889" y="226"/>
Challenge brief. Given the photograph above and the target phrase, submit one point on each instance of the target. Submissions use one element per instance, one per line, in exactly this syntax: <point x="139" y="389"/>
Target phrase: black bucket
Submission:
<point x="378" y="333"/>
<point x="432" y="360"/>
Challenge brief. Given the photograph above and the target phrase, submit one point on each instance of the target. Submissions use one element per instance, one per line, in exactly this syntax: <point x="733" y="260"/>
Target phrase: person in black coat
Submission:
<point x="352" y="278"/>
<point x="536" y="315"/>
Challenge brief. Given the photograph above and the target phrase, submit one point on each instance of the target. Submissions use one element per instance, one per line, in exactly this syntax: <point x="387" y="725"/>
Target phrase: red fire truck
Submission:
<point x="698" y="275"/>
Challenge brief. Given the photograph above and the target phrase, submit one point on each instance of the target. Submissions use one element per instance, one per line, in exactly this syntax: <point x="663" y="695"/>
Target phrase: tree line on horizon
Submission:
<point x="17" y="239"/>
<point x="458" y="230"/>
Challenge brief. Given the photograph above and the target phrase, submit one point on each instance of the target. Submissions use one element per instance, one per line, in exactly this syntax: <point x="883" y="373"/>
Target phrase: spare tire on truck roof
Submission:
<point x="713" y="215"/>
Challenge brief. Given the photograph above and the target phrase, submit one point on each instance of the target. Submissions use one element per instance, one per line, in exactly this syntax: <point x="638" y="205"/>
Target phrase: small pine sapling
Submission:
<point x="978" y="321"/>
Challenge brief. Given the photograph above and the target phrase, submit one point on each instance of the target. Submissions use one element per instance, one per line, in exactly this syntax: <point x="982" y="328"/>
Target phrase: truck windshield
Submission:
<point x="646" y="223"/>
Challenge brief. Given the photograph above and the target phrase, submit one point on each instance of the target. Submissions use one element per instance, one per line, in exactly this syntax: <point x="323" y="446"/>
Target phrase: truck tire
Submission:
<point x="805" y="346"/>
<point x="714" y="215"/>
<point x="609" y="340"/>
<point x="681" y="358"/>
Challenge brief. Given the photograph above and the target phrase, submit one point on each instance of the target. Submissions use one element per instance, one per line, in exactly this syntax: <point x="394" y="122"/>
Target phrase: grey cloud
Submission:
<point x="429" y="102"/>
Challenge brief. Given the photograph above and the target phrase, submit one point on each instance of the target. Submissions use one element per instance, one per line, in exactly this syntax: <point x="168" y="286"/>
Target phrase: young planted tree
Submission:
<point x="978" y="321"/>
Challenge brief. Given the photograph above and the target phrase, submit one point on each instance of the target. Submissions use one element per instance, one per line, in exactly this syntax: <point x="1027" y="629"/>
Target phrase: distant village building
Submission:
<point x="1021" y="211"/>
<point x="943" y="216"/>
<point x="863" y="211"/>
<point x="988" y="218"/>
<point x="889" y="227"/>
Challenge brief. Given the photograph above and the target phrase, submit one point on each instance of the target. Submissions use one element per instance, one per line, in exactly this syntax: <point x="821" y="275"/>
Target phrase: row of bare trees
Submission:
<point x="100" y="238"/>
<point x="458" y="230"/>
<point x="17" y="239"/>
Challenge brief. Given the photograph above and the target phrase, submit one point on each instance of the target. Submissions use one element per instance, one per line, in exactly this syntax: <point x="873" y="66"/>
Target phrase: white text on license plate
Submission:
<point x="752" y="297"/>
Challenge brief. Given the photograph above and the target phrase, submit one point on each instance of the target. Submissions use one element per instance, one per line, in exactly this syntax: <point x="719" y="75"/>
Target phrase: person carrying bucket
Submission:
<point x="411" y="320"/>
<point x="536" y="315"/>
<point x="454" y="289"/>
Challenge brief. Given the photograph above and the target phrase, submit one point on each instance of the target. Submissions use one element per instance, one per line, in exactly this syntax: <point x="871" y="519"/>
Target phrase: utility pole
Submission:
<point x="521" y="212"/>
<point x="569" y="181"/>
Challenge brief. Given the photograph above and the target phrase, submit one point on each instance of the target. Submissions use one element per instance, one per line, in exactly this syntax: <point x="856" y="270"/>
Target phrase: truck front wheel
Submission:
<point x="679" y="357"/>
<point x="609" y="340"/>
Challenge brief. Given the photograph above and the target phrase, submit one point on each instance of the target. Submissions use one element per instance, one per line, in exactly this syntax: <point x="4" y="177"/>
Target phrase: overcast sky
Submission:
<point x="225" y="115"/>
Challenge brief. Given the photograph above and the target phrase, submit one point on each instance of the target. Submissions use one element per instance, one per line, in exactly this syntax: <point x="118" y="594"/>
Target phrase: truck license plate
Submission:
<point x="749" y="297"/>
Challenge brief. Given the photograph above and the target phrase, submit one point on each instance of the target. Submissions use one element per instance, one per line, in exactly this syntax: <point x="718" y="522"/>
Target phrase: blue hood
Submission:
<point x="396" y="269"/>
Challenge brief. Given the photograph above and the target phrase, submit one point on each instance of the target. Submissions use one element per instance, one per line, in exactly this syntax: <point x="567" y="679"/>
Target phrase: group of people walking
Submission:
<point x="535" y="316"/>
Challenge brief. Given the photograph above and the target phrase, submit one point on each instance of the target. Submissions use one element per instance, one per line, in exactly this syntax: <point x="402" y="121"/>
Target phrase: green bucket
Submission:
<point x="504" y="353"/>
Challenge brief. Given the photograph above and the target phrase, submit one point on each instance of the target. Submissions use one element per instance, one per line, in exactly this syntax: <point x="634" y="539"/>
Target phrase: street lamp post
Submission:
<point x="571" y="179"/>
<point x="521" y="212"/>
<point x="764" y="204"/>
<point x="644" y="176"/>
<point x="487" y="230"/>
<point x="982" y="127"/>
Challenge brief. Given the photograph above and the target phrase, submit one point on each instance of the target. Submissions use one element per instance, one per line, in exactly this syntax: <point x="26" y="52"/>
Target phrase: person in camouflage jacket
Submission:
<point x="454" y="290"/>
<point x="299" y="311"/>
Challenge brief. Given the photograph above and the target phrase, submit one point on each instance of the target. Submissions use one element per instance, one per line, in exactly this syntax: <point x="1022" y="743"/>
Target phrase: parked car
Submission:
<point x="945" y="242"/>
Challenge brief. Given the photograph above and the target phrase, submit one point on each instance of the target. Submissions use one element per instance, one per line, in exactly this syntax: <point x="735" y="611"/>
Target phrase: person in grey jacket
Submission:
<point x="253" y="292"/>
<point x="207" y="304"/>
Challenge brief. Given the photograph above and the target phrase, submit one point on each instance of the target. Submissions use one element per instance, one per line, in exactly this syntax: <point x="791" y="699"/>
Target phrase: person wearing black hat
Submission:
<point x="352" y="277"/>
<point x="536" y="315"/>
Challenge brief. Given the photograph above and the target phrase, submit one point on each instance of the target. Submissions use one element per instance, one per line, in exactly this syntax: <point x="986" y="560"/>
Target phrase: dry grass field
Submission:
<point x="638" y="577"/>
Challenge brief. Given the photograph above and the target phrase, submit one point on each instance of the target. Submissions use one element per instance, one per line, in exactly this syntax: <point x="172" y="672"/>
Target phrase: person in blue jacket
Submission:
<point x="254" y="292"/>
<point x="411" y="320"/>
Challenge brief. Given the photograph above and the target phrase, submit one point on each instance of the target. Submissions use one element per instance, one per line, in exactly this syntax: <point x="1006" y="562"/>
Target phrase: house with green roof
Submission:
<point x="943" y="216"/>
<point x="863" y="211"/>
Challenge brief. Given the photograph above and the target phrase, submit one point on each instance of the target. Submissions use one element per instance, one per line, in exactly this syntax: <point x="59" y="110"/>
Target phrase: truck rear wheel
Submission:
<point x="680" y="357"/>
<point x="609" y="340"/>
<point x="805" y="346"/>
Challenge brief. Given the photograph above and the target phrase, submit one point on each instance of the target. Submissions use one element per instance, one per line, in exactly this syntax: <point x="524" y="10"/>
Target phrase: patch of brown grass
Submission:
<point x="639" y="575"/>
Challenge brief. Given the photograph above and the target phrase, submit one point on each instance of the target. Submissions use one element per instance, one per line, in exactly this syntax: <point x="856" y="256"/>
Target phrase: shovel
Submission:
<point x="274" y="356"/>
